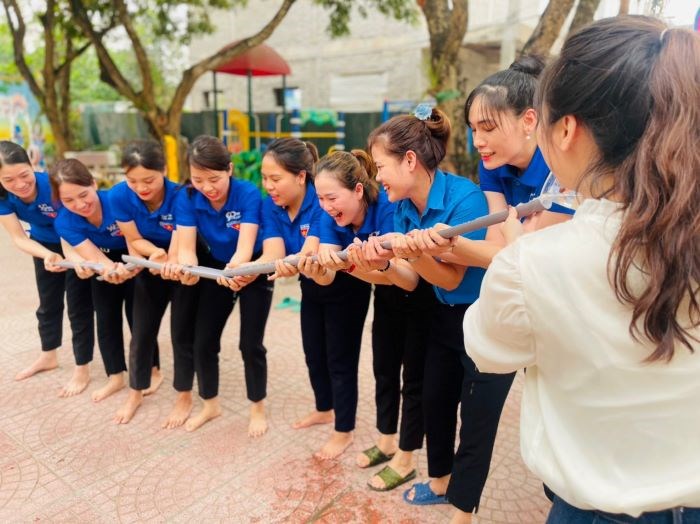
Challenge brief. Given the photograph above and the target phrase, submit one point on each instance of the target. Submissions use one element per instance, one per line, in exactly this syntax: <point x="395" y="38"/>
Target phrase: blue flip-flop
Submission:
<point x="286" y="302"/>
<point x="423" y="495"/>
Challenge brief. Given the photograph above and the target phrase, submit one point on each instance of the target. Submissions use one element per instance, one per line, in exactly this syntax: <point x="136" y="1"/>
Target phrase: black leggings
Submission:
<point x="332" y="318"/>
<point x="52" y="287"/>
<point x="399" y="338"/>
<point x="151" y="297"/>
<point x="111" y="302"/>
<point x="199" y="318"/>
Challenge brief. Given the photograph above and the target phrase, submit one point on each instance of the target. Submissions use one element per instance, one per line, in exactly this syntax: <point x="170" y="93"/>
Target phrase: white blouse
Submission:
<point x="600" y="427"/>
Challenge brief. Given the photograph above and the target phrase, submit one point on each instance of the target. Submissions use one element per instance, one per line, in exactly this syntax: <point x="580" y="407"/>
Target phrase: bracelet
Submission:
<point x="388" y="265"/>
<point x="349" y="269"/>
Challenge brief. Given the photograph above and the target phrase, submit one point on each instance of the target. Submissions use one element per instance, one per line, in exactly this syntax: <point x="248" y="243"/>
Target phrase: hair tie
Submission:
<point x="423" y="111"/>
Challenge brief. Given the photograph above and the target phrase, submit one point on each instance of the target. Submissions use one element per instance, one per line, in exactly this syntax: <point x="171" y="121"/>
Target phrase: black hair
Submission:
<point x="294" y="155"/>
<point x="143" y="153"/>
<point x="11" y="154"/>
<point x="511" y="89"/>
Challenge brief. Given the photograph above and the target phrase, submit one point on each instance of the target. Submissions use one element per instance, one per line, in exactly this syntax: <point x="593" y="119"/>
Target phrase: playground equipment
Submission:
<point x="235" y="129"/>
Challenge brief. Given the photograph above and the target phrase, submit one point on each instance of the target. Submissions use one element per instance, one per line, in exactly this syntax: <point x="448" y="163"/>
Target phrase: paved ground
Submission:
<point x="63" y="460"/>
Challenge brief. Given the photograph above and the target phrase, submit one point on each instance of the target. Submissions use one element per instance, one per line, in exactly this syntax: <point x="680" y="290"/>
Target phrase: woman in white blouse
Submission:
<point x="604" y="310"/>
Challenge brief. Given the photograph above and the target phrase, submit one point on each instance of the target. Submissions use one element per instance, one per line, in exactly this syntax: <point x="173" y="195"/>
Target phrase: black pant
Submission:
<point x="206" y="307"/>
<point x="255" y="299"/>
<point x="400" y="337"/>
<point x="483" y="397"/>
<point x="109" y="301"/>
<point x="52" y="287"/>
<point x="332" y="318"/>
<point x="151" y="297"/>
<point x="442" y="384"/>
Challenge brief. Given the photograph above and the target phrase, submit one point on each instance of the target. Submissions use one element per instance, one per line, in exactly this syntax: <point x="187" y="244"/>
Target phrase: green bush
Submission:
<point x="246" y="166"/>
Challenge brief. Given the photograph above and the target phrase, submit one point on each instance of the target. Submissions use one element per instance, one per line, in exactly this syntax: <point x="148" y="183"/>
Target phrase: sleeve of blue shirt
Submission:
<point x="252" y="203"/>
<point x="315" y="222"/>
<point x="5" y="207"/>
<point x="489" y="179"/>
<point x="270" y="227"/>
<point x="386" y="218"/>
<point x="327" y="232"/>
<point x="184" y="208"/>
<point x="472" y="205"/>
<point x="119" y="200"/>
<point x="65" y="227"/>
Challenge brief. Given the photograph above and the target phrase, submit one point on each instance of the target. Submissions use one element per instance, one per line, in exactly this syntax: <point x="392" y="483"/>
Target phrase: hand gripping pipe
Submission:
<point x="523" y="210"/>
<point x="533" y="206"/>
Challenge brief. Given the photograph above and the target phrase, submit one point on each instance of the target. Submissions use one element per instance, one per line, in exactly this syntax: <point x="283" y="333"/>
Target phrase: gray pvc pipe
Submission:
<point x="523" y="210"/>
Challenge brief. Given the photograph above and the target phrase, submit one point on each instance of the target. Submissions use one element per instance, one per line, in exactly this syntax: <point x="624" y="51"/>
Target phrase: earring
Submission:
<point x="527" y="137"/>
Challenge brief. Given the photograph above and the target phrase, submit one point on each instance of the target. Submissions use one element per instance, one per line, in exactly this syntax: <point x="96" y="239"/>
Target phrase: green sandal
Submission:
<point x="376" y="456"/>
<point x="391" y="479"/>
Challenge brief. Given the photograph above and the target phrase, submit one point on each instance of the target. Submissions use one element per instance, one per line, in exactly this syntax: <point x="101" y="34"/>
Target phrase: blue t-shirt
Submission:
<point x="40" y="214"/>
<point x="75" y="229"/>
<point x="276" y="222"/>
<point x="452" y="200"/>
<point x="220" y="228"/>
<point x="156" y="226"/>
<point x="514" y="187"/>
<point x="379" y="220"/>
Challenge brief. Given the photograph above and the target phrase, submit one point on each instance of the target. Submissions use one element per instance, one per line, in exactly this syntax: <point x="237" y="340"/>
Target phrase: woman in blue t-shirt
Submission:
<point x="144" y="207"/>
<point x="224" y="214"/>
<point x="407" y="150"/>
<point x="26" y="195"/>
<point x="86" y="222"/>
<point x="357" y="210"/>
<point x="290" y="217"/>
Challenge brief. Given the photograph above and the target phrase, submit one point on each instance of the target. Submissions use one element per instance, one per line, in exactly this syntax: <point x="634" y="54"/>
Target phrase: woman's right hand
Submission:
<point x="311" y="268"/>
<point x="328" y="258"/>
<point x="83" y="272"/>
<point x="283" y="269"/>
<point x="50" y="262"/>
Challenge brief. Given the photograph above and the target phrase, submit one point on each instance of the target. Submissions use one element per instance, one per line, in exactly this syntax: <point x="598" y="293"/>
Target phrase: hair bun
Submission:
<point x="528" y="64"/>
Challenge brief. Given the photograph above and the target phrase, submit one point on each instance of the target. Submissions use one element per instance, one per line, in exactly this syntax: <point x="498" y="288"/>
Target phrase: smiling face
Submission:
<point x="212" y="184"/>
<point x="19" y="180"/>
<point x="81" y="200"/>
<point x="345" y="205"/>
<point x="284" y="187"/>
<point x="393" y="174"/>
<point x="148" y="184"/>
<point x="501" y="139"/>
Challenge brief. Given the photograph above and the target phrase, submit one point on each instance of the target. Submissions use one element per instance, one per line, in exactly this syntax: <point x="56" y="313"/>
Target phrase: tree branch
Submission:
<point x="18" y="31"/>
<point x="213" y="61"/>
<point x="107" y="66"/>
<point x="139" y="51"/>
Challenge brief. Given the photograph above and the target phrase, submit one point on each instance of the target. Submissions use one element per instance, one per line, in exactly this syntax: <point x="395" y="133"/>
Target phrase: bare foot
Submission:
<point x="211" y="409"/>
<point x="461" y="517"/>
<point x="335" y="446"/>
<point x="77" y="383"/>
<point x="313" y="418"/>
<point x="385" y="443"/>
<point x="180" y="412"/>
<point x="126" y="412"/>
<point x="46" y="361"/>
<point x="258" y="423"/>
<point x="114" y="383"/>
<point x="403" y="462"/>
<point x="156" y="381"/>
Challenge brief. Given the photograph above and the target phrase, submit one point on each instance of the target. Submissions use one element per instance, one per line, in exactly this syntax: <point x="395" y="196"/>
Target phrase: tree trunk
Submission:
<point x="447" y="27"/>
<point x="548" y="28"/>
<point x="624" y="7"/>
<point x="584" y="14"/>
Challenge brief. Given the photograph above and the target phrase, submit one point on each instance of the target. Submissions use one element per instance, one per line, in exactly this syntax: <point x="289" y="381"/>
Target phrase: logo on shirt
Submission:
<point x="304" y="229"/>
<point x="47" y="210"/>
<point x="166" y="222"/>
<point x="114" y="230"/>
<point x="233" y="220"/>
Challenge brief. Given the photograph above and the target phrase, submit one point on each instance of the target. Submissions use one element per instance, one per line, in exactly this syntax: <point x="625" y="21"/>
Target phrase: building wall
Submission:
<point x="381" y="59"/>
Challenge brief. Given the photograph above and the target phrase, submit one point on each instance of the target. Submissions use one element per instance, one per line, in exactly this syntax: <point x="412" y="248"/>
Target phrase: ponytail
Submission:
<point x="350" y="169"/>
<point x="635" y="86"/>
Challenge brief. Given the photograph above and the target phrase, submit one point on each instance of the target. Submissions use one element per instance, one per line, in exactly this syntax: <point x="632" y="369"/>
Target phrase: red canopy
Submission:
<point x="260" y="60"/>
